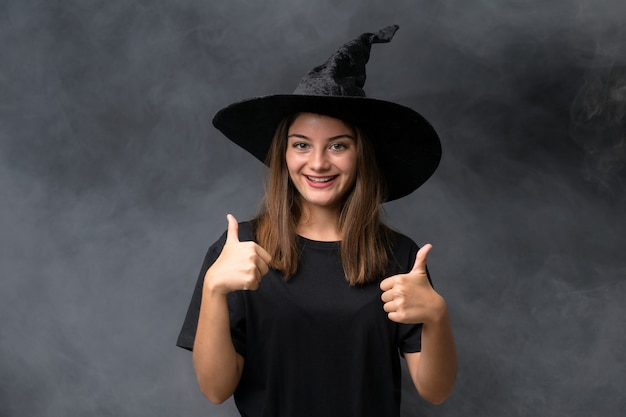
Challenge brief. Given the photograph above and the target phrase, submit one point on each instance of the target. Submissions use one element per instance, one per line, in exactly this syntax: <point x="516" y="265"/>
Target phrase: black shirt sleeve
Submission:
<point x="187" y="334"/>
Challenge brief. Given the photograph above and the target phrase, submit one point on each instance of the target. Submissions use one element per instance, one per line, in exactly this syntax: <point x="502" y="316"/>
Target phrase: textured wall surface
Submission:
<point x="113" y="183"/>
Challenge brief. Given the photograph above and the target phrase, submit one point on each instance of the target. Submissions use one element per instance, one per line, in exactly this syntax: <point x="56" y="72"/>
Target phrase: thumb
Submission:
<point x="420" y="258"/>
<point x="233" y="229"/>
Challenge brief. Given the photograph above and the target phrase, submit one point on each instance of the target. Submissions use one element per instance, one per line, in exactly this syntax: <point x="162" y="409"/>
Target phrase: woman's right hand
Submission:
<point x="240" y="266"/>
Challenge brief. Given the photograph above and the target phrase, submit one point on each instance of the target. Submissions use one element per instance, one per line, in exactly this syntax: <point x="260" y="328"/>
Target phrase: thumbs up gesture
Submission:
<point x="240" y="266"/>
<point x="410" y="298"/>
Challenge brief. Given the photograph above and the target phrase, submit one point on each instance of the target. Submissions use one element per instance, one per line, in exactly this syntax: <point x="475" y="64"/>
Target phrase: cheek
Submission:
<point x="349" y="166"/>
<point x="289" y="161"/>
<point x="292" y="164"/>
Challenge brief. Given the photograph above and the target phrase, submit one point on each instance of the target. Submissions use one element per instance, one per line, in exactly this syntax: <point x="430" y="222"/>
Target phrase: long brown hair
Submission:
<point x="365" y="239"/>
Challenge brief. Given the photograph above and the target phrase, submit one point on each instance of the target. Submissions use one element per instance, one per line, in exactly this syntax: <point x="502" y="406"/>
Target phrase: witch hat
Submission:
<point x="407" y="147"/>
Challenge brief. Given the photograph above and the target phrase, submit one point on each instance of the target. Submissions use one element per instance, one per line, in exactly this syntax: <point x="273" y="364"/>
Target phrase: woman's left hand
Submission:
<point x="410" y="298"/>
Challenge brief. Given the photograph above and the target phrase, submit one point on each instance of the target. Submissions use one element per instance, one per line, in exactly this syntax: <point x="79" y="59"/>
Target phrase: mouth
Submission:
<point x="321" y="180"/>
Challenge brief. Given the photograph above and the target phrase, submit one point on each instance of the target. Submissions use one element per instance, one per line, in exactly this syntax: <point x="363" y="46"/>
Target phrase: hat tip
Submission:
<point x="386" y="33"/>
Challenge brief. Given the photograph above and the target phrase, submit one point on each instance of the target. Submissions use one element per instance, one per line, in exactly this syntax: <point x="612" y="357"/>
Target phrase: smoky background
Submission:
<point x="114" y="183"/>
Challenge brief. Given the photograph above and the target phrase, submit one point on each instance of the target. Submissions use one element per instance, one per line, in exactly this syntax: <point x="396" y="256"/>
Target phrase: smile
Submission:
<point x="320" y="179"/>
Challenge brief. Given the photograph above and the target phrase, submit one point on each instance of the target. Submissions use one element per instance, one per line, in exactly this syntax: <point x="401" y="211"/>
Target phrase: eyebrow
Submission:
<point x="343" y="135"/>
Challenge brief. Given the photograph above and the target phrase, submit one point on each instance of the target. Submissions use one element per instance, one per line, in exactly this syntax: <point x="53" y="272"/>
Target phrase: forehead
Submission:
<point x="319" y="123"/>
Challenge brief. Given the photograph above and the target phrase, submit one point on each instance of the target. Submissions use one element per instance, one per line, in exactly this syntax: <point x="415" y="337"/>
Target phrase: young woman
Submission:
<point x="303" y="311"/>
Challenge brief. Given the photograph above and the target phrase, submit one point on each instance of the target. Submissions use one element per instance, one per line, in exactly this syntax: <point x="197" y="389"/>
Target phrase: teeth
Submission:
<point x="320" y="179"/>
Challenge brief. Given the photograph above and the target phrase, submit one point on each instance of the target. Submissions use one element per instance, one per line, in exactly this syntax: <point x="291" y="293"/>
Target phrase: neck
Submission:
<point x="320" y="223"/>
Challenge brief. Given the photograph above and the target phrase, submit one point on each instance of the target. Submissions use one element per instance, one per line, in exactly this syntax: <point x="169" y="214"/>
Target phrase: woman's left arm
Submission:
<point x="410" y="298"/>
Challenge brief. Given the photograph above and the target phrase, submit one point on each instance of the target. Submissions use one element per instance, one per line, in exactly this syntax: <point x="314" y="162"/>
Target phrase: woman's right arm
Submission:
<point x="240" y="266"/>
<point x="218" y="366"/>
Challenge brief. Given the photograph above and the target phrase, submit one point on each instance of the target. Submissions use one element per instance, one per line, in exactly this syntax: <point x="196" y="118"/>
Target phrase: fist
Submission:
<point x="240" y="266"/>
<point x="409" y="298"/>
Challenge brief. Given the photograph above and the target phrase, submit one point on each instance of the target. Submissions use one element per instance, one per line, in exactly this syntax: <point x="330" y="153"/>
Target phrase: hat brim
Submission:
<point x="407" y="147"/>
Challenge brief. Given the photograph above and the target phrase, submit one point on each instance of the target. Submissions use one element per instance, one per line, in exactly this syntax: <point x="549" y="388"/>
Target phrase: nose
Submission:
<point x="318" y="160"/>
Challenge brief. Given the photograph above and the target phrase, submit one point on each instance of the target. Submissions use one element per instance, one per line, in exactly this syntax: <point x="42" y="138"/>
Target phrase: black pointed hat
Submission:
<point x="407" y="147"/>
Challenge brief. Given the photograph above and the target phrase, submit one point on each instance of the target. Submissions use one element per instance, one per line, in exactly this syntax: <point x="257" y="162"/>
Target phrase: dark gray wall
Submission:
<point x="113" y="184"/>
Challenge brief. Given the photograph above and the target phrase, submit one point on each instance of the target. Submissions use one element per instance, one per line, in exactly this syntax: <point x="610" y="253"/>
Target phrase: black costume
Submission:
<point x="313" y="345"/>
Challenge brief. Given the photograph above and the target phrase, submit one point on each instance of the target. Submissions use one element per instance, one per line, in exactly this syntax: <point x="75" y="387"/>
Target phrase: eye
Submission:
<point x="300" y="145"/>
<point x="338" y="146"/>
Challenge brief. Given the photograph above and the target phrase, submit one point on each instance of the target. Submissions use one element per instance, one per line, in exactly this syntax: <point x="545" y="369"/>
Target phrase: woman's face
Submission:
<point x="321" y="159"/>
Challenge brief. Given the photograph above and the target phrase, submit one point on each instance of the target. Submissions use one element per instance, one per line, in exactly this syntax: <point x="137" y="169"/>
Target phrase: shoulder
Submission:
<point x="246" y="231"/>
<point x="401" y="242"/>
<point x="402" y="252"/>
